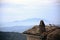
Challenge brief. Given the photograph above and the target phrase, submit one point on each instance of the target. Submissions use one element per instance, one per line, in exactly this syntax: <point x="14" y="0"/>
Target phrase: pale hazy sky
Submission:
<point x="12" y="10"/>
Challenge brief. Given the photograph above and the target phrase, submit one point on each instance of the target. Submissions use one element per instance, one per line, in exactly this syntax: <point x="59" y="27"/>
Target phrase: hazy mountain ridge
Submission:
<point x="26" y="22"/>
<point x="20" y="26"/>
<point x="19" y="29"/>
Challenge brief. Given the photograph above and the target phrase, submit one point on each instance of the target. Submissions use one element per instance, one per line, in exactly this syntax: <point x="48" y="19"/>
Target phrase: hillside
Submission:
<point x="52" y="32"/>
<point x="35" y="29"/>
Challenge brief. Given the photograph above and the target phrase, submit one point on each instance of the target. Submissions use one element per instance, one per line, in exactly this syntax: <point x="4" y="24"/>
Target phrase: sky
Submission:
<point x="12" y="10"/>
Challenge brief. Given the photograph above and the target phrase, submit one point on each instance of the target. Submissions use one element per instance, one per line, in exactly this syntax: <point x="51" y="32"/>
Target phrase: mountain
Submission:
<point x="51" y="33"/>
<point x="27" y="22"/>
<point x="20" y="26"/>
<point x="19" y="29"/>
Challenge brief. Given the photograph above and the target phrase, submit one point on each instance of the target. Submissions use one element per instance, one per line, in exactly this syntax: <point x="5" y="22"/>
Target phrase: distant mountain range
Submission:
<point x="27" y="22"/>
<point x="20" y="26"/>
<point x="19" y="29"/>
